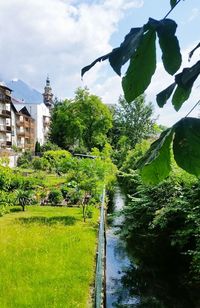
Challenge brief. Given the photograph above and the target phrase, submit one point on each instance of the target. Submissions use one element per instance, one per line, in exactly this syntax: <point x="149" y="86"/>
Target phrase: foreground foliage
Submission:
<point x="47" y="258"/>
<point x="139" y="48"/>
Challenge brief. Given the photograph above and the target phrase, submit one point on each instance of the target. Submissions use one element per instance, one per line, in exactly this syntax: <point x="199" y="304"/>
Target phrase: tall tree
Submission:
<point x="82" y="122"/>
<point x="132" y="121"/>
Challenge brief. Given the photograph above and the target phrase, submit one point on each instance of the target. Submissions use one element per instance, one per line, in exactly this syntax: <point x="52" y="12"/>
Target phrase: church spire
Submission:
<point x="48" y="95"/>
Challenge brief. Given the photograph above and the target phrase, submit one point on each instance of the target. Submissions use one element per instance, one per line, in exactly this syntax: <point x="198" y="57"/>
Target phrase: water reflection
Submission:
<point x="117" y="260"/>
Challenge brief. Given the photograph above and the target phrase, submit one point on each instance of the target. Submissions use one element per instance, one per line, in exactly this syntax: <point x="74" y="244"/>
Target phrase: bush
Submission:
<point x="5" y="177"/>
<point x="24" y="159"/>
<point x="37" y="163"/>
<point x="16" y="182"/>
<point x="163" y="221"/>
<point x="49" y="146"/>
<point x="55" y="197"/>
<point x="3" y="209"/>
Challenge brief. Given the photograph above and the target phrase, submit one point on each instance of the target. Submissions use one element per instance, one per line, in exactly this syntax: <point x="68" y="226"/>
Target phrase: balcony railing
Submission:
<point x="9" y="143"/>
<point x="4" y="144"/>
<point x="5" y="128"/>
<point x="5" y="113"/>
<point x="20" y="132"/>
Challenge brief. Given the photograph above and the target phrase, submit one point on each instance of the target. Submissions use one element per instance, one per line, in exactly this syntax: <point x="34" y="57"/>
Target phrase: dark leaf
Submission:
<point x="186" y="145"/>
<point x="185" y="82"/>
<point x="163" y="96"/>
<point x="180" y="96"/>
<point x="88" y="67"/>
<point x="193" y="50"/>
<point x="169" y="45"/>
<point x="173" y="3"/>
<point x="142" y="67"/>
<point x="119" y="56"/>
<point x="156" y="162"/>
<point x="187" y="77"/>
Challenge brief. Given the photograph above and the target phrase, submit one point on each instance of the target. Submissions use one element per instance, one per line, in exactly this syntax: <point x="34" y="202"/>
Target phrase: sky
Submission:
<point x="59" y="37"/>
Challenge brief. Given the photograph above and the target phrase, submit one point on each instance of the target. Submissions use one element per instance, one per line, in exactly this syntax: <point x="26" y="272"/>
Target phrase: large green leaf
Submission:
<point x="156" y="163"/>
<point x="169" y="45"/>
<point x="142" y="67"/>
<point x="188" y="76"/>
<point x="186" y="145"/>
<point x="185" y="81"/>
<point x="163" y="96"/>
<point x="180" y="96"/>
<point x="119" y="56"/>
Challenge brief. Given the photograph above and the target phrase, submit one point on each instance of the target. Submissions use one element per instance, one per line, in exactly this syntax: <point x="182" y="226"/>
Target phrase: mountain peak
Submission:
<point x="23" y="91"/>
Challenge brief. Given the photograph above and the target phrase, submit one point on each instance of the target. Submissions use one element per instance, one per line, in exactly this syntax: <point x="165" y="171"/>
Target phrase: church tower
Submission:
<point x="48" y="95"/>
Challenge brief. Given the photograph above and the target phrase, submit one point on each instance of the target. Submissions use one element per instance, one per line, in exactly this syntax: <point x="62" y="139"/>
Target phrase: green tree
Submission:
<point x="37" y="148"/>
<point x="24" y="197"/>
<point x="55" y="197"/>
<point x="133" y="121"/>
<point x="80" y="123"/>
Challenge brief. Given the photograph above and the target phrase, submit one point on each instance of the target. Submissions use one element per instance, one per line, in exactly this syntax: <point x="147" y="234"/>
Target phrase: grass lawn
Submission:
<point x="47" y="258"/>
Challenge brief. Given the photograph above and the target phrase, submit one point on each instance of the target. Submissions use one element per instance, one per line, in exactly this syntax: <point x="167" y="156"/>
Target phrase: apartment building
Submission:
<point x="41" y="112"/>
<point x="5" y="117"/>
<point x="23" y="126"/>
<point x="23" y="123"/>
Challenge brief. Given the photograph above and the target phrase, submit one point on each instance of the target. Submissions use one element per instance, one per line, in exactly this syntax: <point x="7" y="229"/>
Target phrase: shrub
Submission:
<point x="37" y="163"/>
<point x="55" y="197"/>
<point x="48" y="146"/>
<point x="24" y="159"/>
<point x="16" y="182"/>
<point x="4" y="203"/>
<point x="5" y="177"/>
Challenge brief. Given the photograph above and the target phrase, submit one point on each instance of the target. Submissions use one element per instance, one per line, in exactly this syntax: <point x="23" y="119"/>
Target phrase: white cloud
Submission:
<point x="56" y="37"/>
<point x="194" y="14"/>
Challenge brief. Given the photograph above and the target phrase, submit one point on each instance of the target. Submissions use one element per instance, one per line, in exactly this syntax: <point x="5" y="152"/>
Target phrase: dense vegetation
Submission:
<point x="162" y="233"/>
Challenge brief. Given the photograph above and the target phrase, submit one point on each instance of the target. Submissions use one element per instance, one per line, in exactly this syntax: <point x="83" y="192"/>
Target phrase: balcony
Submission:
<point x="26" y="124"/>
<point x="5" y="113"/>
<point x="20" y="132"/>
<point x="29" y="146"/>
<point x="5" y="144"/>
<point x="5" y="128"/>
<point x="8" y="143"/>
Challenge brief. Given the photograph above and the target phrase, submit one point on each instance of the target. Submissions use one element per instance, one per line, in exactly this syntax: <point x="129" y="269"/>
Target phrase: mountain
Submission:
<point x="23" y="91"/>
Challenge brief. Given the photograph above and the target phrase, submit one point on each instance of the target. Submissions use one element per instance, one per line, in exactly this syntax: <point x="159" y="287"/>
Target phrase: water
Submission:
<point x="156" y="282"/>
<point x="117" y="261"/>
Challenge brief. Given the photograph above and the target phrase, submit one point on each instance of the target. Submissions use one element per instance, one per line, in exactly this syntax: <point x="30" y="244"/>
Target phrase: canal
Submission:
<point x="117" y="260"/>
<point x="142" y="280"/>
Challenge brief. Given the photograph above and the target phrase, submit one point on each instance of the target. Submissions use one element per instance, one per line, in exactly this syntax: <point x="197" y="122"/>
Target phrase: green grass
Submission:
<point x="47" y="258"/>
